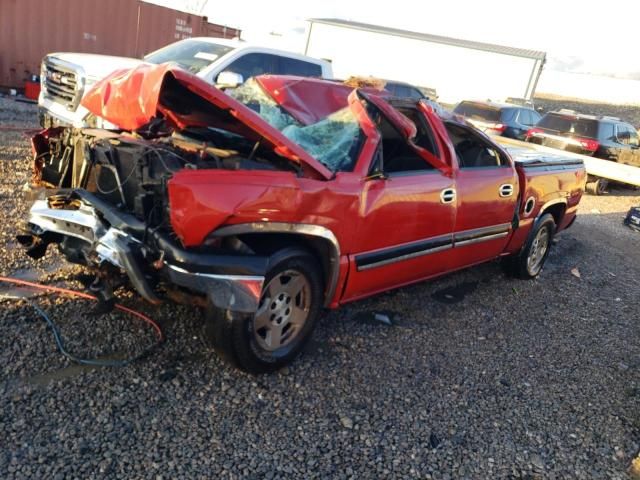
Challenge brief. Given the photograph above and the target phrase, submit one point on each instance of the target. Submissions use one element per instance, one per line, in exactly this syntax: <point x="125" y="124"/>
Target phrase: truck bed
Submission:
<point x="524" y="152"/>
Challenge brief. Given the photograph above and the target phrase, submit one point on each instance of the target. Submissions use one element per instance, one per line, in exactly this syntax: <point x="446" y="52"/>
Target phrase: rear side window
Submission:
<point x="293" y="66"/>
<point x="583" y="127"/>
<point x="606" y="131"/>
<point x="528" y="117"/>
<point x="478" y="111"/>
<point x="535" y="117"/>
<point x="524" y="117"/>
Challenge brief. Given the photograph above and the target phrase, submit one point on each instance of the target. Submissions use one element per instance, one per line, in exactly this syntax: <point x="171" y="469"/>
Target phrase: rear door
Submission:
<point x="406" y="212"/>
<point x="487" y="195"/>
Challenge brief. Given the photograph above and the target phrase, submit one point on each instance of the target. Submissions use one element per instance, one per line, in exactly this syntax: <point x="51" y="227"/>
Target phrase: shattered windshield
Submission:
<point x="334" y="141"/>
<point x="192" y="55"/>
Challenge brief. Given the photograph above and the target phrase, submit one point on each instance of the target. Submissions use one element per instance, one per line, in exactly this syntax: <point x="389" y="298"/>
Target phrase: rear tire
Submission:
<point x="597" y="186"/>
<point x="528" y="263"/>
<point x="289" y="307"/>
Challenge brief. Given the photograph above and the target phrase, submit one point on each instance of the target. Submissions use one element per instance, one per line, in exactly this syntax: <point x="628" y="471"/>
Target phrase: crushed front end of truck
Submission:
<point x="103" y="199"/>
<point x="124" y="202"/>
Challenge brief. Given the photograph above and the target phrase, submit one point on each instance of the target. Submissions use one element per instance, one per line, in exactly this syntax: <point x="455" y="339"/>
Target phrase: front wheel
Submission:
<point x="528" y="263"/>
<point x="287" y="313"/>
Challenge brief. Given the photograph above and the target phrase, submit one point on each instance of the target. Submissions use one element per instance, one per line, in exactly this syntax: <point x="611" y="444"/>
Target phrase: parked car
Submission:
<point x="225" y="63"/>
<point x="504" y="119"/>
<point x="292" y="195"/>
<point x="406" y="90"/>
<point x="599" y="136"/>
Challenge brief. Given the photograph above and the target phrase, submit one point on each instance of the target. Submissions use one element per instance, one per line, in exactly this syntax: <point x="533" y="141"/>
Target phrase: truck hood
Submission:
<point x="96" y="66"/>
<point x="133" y="98"/>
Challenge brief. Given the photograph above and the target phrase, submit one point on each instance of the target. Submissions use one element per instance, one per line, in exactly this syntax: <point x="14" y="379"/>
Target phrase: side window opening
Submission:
<point x="472" y="151"/>
<point x="399" y="155"/>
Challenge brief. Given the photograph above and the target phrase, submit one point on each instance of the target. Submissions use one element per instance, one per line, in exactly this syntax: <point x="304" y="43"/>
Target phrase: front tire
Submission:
<point x="528" y="263"/>
<point x="276" y="333"/>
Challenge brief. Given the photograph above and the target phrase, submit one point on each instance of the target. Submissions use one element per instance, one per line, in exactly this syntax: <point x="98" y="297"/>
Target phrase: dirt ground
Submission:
<point x="628" y="113"/>
<point x="478" y="376"/>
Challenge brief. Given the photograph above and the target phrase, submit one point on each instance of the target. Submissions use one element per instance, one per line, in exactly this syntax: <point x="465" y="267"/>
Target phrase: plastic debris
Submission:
<point x="382" y="318"/>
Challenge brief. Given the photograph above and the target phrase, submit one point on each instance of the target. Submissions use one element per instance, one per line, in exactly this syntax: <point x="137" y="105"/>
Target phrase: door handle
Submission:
<point x="448" y="195"/>
<point x="506" y="190"/>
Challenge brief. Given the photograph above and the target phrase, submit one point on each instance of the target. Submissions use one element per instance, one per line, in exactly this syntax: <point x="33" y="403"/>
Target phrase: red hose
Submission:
<point x="74" y="293"/>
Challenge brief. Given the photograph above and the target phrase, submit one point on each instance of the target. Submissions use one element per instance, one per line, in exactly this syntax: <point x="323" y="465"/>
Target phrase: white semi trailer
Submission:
<point x="458" y="69"/>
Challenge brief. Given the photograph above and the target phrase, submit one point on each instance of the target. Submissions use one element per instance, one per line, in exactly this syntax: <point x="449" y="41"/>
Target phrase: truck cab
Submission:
<point x="66" y="77"/>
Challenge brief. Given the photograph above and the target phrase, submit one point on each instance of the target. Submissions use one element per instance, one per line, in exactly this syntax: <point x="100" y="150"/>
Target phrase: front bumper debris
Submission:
<point x="231" y="282"/>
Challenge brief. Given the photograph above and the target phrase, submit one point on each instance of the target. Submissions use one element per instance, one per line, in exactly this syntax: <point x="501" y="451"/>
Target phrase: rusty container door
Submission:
<point x="30" y="29"/>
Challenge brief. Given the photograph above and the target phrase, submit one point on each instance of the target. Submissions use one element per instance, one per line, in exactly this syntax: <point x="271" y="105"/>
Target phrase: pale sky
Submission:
<point x="578" y="36"/>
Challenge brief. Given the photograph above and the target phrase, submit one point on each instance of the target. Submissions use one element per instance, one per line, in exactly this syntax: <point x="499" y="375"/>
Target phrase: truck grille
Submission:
<point x="61" y="84"/>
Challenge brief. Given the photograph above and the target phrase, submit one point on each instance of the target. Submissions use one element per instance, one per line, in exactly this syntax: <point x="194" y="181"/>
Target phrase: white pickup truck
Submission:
<point x="65" y="77"/>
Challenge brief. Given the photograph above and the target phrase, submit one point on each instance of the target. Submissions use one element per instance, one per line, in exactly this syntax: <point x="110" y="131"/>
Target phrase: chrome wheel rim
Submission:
<point x="538" y="251"/>
<point x="283" y="310"/>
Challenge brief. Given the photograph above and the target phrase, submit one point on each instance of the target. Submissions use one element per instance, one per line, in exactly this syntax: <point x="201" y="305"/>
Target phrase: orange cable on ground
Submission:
<point x="74" y="293"/>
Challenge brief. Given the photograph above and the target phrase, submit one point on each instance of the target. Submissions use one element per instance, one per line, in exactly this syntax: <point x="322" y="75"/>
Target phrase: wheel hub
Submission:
<point x="283" y="310"/>
<point x="538" y="251"/>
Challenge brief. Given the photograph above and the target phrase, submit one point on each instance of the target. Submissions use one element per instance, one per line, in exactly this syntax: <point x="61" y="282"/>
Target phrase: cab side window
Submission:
<point x="472" y="150"/>
<point x="398" y="155"/>
<point x="253" y="64"/>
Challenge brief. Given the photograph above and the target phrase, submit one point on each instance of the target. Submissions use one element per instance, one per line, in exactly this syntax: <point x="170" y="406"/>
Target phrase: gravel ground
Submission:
<point x="480" y="376"/>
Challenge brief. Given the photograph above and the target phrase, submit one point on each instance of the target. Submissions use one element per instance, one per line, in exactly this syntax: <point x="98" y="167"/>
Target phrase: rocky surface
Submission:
<point x="473" y="376"/>
<point x="628" y="113"/>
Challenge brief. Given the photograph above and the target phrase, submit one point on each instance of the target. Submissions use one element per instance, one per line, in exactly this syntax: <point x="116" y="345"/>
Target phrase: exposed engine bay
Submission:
<point x="102" y="198"/>
<point x="131" y="172"/>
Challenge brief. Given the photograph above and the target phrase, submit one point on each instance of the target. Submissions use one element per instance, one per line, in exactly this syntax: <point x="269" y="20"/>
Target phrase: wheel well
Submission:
<point x="321" y="248"/>
<point x="557" y="211"/>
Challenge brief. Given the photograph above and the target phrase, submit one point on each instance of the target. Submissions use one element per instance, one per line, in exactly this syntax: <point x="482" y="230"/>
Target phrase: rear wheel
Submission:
<point x="528" y="263"/>
<point x="596" y="186"/>
<point x="287" y="313"/>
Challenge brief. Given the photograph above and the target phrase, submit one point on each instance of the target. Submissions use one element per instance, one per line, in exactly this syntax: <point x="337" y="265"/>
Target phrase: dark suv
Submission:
<point x="506" y="119"/>
<point x="602" y="137"/>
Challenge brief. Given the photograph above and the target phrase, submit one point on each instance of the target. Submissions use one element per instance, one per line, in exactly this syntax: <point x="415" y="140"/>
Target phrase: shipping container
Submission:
<point x="29" y="29"/>
<point x="458" y="69"/>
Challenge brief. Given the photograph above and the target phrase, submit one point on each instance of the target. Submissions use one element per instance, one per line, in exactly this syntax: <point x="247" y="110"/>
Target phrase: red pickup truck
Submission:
<point x="285" y="197"/>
